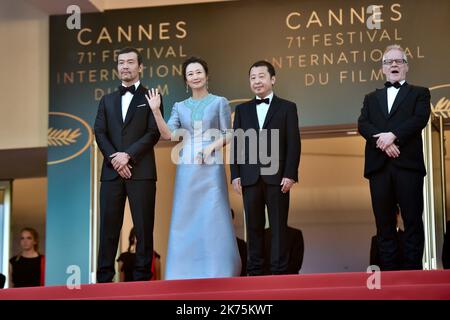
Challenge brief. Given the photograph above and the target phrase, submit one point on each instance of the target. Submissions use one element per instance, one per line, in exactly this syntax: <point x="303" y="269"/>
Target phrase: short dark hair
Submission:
<point x="190" y="60"/>
<point x="263" y="63"/>
<point x="131" y="49"/>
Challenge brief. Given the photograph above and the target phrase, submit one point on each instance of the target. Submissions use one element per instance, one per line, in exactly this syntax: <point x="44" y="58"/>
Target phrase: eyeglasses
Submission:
<point x="397" y="61"/>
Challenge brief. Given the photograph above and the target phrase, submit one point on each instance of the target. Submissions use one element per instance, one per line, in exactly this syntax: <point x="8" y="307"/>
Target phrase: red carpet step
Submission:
<point x="417" y="285"/>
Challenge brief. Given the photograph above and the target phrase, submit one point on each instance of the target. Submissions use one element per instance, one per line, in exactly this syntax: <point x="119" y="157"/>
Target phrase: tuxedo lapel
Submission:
<point x="273" y="108"/>
<point x="401" y="95"/>
<point x="253" y="114"/>
<point x="134" y="102"/>
<point x="382" y="101"/>
<point x="118" y="107"/>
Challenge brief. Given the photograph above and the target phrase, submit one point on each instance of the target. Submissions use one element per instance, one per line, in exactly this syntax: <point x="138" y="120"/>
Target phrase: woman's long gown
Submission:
<point x="202" y="241"/>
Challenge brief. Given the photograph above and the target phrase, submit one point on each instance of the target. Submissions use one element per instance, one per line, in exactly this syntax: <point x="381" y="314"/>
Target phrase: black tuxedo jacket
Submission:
<point x="282" y="115"/>
<point x="136" y="135"/>
<point x="409" y="115"/>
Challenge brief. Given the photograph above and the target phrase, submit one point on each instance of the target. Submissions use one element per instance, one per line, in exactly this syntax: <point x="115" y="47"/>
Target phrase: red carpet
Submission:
<point x="422" y="285"/>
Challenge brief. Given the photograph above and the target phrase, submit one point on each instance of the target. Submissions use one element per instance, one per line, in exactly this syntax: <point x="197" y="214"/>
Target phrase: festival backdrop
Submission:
<point x="327" y="56"/>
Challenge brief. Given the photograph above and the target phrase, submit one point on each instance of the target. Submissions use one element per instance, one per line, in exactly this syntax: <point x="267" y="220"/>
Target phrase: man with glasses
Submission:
<point x="391" y="121"/>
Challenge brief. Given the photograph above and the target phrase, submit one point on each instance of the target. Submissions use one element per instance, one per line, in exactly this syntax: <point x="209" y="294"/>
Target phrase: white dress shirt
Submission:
<point x="391" y="94"/>
<point x="126" y="100"/>
<point x="261" y="110"/>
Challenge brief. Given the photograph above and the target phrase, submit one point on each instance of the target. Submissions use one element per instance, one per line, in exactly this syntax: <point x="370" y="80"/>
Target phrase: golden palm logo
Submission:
<point x="68" y="137"/>
<point x="442" y="108"/>
<point x="61" y="137"/>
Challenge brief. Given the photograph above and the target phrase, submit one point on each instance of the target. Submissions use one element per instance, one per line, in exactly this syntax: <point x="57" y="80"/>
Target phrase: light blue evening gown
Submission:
<point x="202" y="242"/>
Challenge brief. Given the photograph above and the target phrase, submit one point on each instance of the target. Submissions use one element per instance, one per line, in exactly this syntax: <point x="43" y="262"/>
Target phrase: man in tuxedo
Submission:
<point x="391" y="121"/>
<point x="126" y="133"/>
<point x="265" y="179"/>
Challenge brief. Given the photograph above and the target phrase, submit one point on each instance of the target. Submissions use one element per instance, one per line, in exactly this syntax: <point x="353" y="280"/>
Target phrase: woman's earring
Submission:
<point x="207" y="85"/>
<point x="187" y="88"/>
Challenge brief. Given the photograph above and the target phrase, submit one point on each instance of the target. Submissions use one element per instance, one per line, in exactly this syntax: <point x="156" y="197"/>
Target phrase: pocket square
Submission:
<point x="141" y="105"/>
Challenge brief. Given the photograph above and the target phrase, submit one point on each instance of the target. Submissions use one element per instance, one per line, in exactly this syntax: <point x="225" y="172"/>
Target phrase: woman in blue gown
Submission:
<point x="202" y="242"/>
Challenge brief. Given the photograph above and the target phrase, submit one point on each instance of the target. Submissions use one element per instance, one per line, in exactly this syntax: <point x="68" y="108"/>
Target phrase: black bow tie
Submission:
<point x="396" y="85"/>
<point x="266" y="100"/>
<point x="124" y="89"/>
